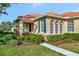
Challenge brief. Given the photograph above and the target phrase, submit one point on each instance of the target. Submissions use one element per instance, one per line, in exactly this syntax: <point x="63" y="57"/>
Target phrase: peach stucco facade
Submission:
<point x="31" y="25"/>
<point x="64" y="27"/>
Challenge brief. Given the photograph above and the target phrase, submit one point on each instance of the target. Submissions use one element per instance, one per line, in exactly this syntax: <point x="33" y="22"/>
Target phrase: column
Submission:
<point x="20" y="27"/>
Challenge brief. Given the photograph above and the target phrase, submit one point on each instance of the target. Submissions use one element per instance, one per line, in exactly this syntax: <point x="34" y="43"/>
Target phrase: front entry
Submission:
<point x="29" y="27"/>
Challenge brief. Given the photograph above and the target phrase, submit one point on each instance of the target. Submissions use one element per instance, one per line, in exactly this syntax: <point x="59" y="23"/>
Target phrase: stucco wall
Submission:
<point x="35" y="27"/>
<point x="64" y="29"/>
<point x="48" y="20"/>
<point x="20" y="27"/>
<point x="64" y="26"/>
<point x="76" y="26"/>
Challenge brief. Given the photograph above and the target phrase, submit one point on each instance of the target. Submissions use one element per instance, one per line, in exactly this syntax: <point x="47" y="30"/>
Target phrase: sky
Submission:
<point x="27" y="8"/>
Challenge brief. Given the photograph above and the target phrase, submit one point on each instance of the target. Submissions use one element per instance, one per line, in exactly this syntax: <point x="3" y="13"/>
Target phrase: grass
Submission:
<point x="27" y="51"/>
<point x="71" y="46"/>
<point x="11" y="49"/>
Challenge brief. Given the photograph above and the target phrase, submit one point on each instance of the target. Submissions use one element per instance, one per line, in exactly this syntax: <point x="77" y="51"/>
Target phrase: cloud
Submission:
<point x="35" y="5"/>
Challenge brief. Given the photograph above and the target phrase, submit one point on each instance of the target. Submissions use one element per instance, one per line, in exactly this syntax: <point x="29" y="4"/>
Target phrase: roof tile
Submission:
<point x="35" y="15"/>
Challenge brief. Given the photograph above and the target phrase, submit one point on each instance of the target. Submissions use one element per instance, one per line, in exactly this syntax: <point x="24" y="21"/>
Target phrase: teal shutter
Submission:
<point x="44" y="25"/>
<point x="38" y="25"/>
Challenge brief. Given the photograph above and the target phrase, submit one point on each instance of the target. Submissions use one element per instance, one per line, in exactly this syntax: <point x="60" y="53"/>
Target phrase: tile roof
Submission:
<point x="66" y="14"/>
<point x="69" y="14"/>
<point x="35" y="15"/>
<point x="29" y="16"/>
<point x="51" y="13"/>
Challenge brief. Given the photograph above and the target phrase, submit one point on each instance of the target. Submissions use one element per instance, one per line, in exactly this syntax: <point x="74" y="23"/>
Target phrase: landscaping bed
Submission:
<point x="67" y="41"/>
<point x="9" y="40"/>
<point x="29" y="46"/>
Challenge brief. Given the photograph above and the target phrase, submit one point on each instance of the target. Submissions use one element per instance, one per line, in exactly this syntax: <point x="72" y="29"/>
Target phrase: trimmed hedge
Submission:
<point x="4" y="39"/>
<point x="55" y="37"/>
<point x="71" y="37"/>
<point x="68" y="37"/>
<point x="34" y="38"/>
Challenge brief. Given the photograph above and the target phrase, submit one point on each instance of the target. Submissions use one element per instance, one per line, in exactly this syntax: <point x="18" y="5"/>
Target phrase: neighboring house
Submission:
<point x="48" y="23"/>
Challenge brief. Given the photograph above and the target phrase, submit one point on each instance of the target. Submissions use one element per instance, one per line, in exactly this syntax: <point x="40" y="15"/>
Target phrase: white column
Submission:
<point x="20" y="27"/>
<point x="65" y="27"/>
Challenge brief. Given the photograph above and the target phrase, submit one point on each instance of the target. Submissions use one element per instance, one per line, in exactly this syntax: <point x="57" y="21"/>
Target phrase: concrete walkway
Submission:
<point x="60" y="50"/>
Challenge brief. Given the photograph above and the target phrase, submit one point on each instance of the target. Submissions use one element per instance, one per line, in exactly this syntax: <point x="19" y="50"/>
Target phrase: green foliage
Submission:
<point x="34" y="38"/>
<point x="2" y="42"/>
<point x="71" y="37"/>
<point x="5" y="38"/>
<point x="8" y="37"/>
<point x="6" y="26"/>
<point x="55" y="37"/>
<point x="12" y="42"/>
<point x="1" y="35"/>
<point x="68" y="37"/>
<point x="19" y="40"/>
<point x="71" y="46"/>
<point x="3" y="7"/>
<point x="35" y="50"/>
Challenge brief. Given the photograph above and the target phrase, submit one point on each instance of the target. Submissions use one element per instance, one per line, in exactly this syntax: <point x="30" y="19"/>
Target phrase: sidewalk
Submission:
<point x="60" y="50"/>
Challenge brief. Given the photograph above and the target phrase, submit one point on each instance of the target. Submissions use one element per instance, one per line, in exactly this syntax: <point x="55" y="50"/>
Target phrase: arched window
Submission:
<point x="56" y="27"/>
<point x="51" y="27"/>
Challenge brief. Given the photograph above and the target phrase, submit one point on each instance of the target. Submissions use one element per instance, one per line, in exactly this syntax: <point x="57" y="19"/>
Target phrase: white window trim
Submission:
<point x="41" y="27"/>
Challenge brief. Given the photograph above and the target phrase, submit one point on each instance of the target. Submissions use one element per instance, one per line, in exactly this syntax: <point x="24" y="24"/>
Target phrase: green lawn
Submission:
<point x="27" y="51"/>
<point x="71" y="46"/>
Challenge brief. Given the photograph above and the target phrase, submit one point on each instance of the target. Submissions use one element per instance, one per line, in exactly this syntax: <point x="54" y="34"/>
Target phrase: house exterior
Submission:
<point x="48" y="23"/>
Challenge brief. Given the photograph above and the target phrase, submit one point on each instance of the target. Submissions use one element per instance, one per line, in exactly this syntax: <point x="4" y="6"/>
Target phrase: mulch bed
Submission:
<point x="59" y="42"/>
<point x="21" y="44"/>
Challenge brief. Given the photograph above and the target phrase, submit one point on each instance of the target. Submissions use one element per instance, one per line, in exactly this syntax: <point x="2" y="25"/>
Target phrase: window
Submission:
<point x="42" y="25"/>
<point x="25" y="26"/>
<point x="60" y="27"/>
<point x="56" y="27"/>
<point x="38" y="25"/>
<point x="51" y="27"/>
<point x="70" y="26"/>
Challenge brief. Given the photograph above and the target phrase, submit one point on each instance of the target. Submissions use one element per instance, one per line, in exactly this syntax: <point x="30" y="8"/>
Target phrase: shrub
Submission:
<point x="12" y="42"/>
<point x="1" y="35"/>
<point x="34" y="38"/>
<point x="2" y="41"/>
<point x="19" y="40"/>
<point x="68" y="37"/>
<point x="71" y="37"/>
<point x="55" y="37"/>
<point x="8" y="37"/>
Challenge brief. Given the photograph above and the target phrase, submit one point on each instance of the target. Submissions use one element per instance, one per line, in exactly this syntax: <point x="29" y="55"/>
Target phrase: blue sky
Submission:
<point x="27" y="8"/>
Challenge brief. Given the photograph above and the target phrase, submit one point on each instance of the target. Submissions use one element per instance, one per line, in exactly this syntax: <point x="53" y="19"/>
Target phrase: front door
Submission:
<point x="29" y="27"/>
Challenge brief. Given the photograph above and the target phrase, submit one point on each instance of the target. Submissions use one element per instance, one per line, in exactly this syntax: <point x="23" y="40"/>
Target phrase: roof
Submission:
<point x="69" y="14"/>
<point x="30" y="16"/>
<point x="65" y="15"/>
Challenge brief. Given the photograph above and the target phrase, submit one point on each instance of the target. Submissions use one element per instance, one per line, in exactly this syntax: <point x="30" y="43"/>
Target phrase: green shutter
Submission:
<point x="44" y="25"/>
<point x="38" y="25"/>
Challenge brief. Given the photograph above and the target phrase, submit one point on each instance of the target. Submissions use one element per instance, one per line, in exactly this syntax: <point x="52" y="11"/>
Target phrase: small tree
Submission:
<point x="3" y="7"/>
